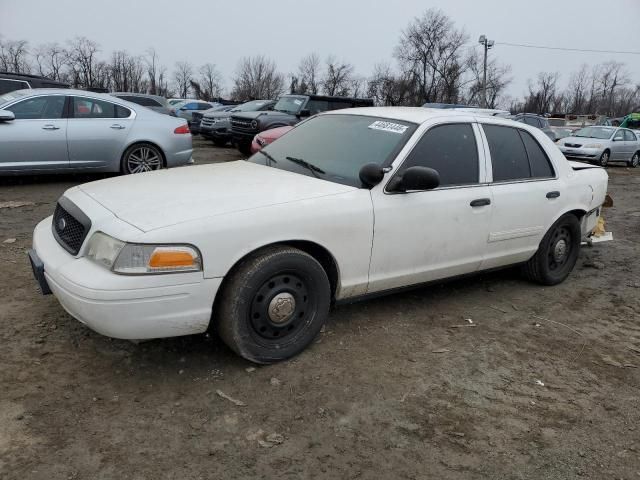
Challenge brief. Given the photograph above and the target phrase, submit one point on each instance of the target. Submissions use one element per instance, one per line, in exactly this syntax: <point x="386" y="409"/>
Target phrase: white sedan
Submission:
<point x="349" y="204"/>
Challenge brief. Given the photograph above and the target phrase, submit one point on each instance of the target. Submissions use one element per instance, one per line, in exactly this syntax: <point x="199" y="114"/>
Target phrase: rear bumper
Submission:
<point x="177" y="159"/>
<point x="120" y="306"/>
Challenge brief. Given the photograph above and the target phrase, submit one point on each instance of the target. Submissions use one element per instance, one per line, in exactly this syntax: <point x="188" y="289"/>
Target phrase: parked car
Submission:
<point x="602" y="145"/>
<point x="175" y="101"/>
<point x="289" y="110"/>
<point x="217" y="127"/>
<point x="154" y="102"/>
<point x="631" y="121"/>
<point x="196" y="117"/>
<point x="10" y="82"/>
<point x="185" y="109"/>
<point x="267" y="137"/>
<point x="537" y="121"/>
<point x="562" y="132"/>
<point x="60" y="130"/>
<point x="259" y="250"/>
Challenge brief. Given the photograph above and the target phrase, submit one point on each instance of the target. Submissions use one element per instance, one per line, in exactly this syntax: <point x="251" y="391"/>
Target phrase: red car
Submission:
<point x="268" y="136"/>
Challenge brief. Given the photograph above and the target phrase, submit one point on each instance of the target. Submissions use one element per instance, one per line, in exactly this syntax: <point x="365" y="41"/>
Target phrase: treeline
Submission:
<point x="432" y="62"/>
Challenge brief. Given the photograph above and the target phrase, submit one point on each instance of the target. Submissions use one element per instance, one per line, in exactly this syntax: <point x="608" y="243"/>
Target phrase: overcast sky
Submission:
<point x="363" y="32"/>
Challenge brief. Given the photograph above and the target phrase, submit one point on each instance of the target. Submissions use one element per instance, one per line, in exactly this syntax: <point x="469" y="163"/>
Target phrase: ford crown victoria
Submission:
<point x="259" y="250"/>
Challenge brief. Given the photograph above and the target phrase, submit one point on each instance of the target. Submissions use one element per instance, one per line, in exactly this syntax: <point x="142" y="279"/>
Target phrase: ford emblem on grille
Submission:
<point x="62" y="224"/>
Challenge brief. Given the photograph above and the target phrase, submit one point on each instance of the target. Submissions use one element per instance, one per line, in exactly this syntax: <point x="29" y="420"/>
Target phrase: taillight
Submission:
<point x="182" y="129"/>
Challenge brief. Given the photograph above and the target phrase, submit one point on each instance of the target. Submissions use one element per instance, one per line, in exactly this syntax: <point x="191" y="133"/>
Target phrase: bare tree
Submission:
<point x="542" y="93"/>
<point x="210" y="82"/>
<point x="151" y="61"/>
<point x="338" y="77"/>
<point x="51" y="60"/>
<point x="14" y="56"/>
<point x="183" y="76"/>
<point x="127" y="72"/>
<point x="309" y="74"/>
<point x="82" y="58"/>
<point x="257" y="78"/>
<point x="387" y="88"/>
<point x="430" y="51"/>
<point x="498" y="79"/>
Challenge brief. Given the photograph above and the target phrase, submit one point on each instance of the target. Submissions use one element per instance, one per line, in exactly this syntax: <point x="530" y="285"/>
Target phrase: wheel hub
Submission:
<point x="560" y="250"/>
<point x="281" y="307"/>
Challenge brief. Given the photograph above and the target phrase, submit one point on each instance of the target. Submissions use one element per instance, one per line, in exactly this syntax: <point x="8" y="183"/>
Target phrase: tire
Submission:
<point x="557" y="253"/>
<point x="604" y="158"/>
<point x="218" y="142"/>
<point x="635" y="160"/>
<point x="273" y="304"/>
<point x="141" y="157"/>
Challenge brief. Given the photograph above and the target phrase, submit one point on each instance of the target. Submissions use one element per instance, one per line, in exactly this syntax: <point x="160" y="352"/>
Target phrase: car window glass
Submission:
<point x="531" y="121"/>
<point x="508" y="156"/>
<point x="629" y="136"/>
<point x="92" y="108"/>
<point x="7" y="85"/>
<point x="619" y="135"/>
<point x="204" y="106"/>
<point x="122" y="112"/>
<point x="538" y="160"/>
<point x="337" y="105"/>
<point x="451" y="150"/>
<point x="317" y="106"/>
<point x="51" y="107"/>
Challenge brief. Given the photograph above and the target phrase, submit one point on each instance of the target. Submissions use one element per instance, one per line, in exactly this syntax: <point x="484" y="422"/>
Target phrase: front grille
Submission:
<point x="572" y="145"/>
<point x="243" y="125"/>
<point x="206" y="122"/>
<point x="69" y="230"/>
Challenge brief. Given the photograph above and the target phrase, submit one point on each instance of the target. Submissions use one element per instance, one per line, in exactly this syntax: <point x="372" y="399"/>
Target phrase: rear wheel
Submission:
<point x="273" y="305"/>
<point x="141" y="157"/>
<point x="604" y="158"/>
<point x="557" y="253"/>
<point x="635" y="160"/>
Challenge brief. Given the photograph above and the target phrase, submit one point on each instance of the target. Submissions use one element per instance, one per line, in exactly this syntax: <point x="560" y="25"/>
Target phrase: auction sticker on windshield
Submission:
<point x="388" y="127"/>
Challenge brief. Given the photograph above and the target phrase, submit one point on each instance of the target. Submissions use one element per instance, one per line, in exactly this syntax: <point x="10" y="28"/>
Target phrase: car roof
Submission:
<point x="417" y="114"/>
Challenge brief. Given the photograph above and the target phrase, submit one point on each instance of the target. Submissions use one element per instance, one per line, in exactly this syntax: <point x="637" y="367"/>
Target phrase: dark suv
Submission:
<point x="19" y="81"/>
<point x="289" y="110"/>
<point x="537" y="121"/>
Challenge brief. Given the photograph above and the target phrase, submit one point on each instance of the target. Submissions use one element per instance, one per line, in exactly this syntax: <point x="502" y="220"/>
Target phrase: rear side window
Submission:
<point x="538" y="160"/>
<point x="629" y="136"/>
<point x="144" y="101"/>
<point x="508" y="155"/>
<point x="122" y="112"/>
<point x="39" y="108"/>
<point x="449" y="149"/>
<point x="93" y="108"/>
<point x="7" y="85"/>
<point x="317" y="106"/>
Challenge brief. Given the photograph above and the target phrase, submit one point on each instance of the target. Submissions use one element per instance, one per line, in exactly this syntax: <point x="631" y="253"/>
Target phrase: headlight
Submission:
<point x="140" y="259"/>
<point x="594" y="145"/>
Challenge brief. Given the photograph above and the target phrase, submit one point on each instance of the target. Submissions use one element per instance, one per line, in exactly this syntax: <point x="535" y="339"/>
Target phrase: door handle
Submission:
<point x="480" y="202"/>
<point x="553" y="194"/>
<point x="115" y="126"/>
<point x="50" y="127"/>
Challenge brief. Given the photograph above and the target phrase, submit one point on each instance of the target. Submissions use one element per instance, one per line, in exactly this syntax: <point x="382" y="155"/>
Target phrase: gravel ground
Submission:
<point x="544" y="384"/>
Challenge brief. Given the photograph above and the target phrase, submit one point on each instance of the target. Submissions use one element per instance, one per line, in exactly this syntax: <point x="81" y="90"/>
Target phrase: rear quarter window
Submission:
<point x="538" y="159"/>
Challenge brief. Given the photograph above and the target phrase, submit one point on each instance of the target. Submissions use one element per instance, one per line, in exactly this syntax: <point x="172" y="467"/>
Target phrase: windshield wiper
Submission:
<point x="309" y="166"/>
<point x="269" y="157"/>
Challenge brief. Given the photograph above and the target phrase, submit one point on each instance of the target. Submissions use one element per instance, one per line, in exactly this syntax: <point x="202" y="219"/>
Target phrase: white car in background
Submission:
<point x="260" y="249"/>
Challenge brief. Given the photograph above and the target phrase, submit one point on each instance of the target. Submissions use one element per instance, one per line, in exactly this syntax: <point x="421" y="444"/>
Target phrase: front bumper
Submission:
<point x="121" y="306"/>
<point x="581" y="153"/>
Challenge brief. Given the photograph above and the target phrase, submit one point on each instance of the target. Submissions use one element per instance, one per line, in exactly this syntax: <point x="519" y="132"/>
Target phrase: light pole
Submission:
<point x="487" y="44"/>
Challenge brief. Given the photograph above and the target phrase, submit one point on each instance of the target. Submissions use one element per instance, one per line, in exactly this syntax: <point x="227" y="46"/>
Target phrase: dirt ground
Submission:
<point x="544" y="384"/>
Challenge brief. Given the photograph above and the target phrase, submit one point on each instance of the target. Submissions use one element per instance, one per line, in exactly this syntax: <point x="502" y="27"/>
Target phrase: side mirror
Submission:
<point x="304" y="113"/>
<point x="417" y="178"/>
<point x="6" y="116"/>
<point x="371" y="174"/>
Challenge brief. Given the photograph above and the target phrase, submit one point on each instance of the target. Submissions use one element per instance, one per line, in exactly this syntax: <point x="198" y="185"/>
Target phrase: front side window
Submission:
<point x="451" y="150"/>
<point x="336" y="147"/>
<point x="619" y="135"/>
<point x="92" y="108"/>
<point x="290" y="104"/>
<point x="508" y="155"/>
<point x="36" y="108"/>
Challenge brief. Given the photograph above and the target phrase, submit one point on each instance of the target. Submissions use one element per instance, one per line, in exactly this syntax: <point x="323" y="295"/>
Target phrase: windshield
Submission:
<point x="252" y="106"/>
<point x="603" y="133"/>
<point x="289" y="104"/>
<point x="7" y="97"/>
<point x="335" y="147"/>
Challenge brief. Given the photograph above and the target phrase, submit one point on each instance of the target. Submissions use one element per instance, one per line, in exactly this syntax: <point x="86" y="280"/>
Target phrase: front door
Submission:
<point x="37" y="139"/>
<point x="97" y="133"/>
<point x="618" y="146"/>
<point x="426" y="235"/>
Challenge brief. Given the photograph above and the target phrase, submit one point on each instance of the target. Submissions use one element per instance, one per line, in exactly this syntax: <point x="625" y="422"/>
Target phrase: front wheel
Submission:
<point x="142" y="157"/>
<point x="635" y="160"/>
<point x="604" y="158"/>
<point x="273" y="304"/>
<point x="557" y="253"/>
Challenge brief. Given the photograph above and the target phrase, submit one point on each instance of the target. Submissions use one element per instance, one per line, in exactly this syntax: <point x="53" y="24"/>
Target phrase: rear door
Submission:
<point x="525" y="194"/>
<point x="97" y="133"/>
<point x="37" y="138"/>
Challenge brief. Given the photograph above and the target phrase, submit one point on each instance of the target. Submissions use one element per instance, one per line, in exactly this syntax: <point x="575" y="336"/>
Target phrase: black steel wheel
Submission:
<point x="273" y="304"/>
<point x="557" y="253"/>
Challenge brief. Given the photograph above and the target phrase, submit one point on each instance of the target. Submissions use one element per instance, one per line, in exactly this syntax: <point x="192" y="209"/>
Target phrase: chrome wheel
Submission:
<point x="604" y="159"/>
<point x="143" y="159"/>
<point x="635" y="160"/>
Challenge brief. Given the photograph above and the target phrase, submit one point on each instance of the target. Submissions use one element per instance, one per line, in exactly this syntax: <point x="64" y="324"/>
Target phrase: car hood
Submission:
<point x="582" y="140"/>
<point x="167" y="197"/>
<point x="270" y="114"/>
<point x="218" y="115"/>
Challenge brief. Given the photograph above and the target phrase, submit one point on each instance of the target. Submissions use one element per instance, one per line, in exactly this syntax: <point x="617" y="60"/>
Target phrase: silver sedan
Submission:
<point x="62" y="130"/>
<point x="601" y="145"/>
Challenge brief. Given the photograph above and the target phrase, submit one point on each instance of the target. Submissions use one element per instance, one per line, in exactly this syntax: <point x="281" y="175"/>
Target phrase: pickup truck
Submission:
<point x="259" y="250"/>
<point x="288" y="111"/>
